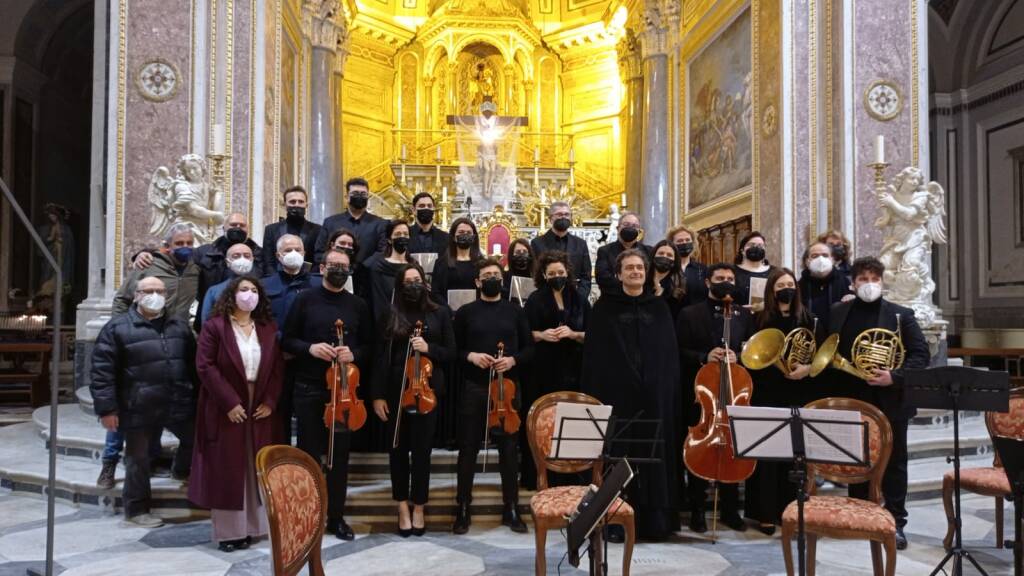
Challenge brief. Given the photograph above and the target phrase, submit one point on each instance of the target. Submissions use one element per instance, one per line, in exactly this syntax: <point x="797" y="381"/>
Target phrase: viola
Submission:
<point x="501" y="392"/>
<point x="418" y="397"/>
<point x="708" y="451"/>
<point x="345" y="408"/>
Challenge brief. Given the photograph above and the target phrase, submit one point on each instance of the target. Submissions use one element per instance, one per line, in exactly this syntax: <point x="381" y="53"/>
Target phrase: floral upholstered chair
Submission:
<point x="841" y="516"/>
<point x="295" y="496"/>
<point x="987" y="480"/>
<point x="550" y="506"/>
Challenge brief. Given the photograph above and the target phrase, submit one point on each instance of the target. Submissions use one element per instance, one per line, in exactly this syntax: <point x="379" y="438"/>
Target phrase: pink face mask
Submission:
<point x="247" y="300"/>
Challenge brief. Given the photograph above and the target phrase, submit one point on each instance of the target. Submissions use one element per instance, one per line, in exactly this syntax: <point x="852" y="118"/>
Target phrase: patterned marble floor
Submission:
<point x="90" y="542"/>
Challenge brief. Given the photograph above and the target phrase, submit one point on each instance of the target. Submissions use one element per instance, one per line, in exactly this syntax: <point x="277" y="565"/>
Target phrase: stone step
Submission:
<point x="929" y="418"/>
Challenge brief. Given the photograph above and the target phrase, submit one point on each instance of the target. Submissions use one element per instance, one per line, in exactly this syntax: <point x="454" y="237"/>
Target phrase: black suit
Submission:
<point x="579" y="256"/>
<point x="273" y="232"/>
<point x="699" y="329"/>
<point x="605" y="268"/>
<point x="887" y="398"/>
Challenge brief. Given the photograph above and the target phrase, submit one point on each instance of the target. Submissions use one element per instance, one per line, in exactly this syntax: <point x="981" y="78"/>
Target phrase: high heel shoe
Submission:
<point x="404" y="532"/>
<point x="418" y="530"/>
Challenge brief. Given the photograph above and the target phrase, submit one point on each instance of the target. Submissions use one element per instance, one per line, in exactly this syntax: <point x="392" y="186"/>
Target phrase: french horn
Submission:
<point x="770" y="347"/>
<point x="873" y="349"/>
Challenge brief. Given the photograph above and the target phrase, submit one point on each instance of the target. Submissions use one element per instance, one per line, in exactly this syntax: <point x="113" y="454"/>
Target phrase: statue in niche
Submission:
<point x="912" y="219"/>
<point x="613" y="223"/>
<point x="481" y="86"/>
<point x="187" y="198"/>
<point x="59" y="240"/>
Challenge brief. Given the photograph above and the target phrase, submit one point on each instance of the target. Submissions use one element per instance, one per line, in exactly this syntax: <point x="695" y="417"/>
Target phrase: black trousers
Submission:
<point x="415" y="440"/>
<point x="313" y="440"/>
<point x="472" y="418"/>
<point x="137" y="494"/>
<point x="697" y="491"/>
<point x="894" y="482"/>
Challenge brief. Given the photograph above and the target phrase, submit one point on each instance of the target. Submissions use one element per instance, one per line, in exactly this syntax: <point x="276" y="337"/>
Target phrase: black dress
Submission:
<point x="458" y="275"/>
<point x="743" y="277"/>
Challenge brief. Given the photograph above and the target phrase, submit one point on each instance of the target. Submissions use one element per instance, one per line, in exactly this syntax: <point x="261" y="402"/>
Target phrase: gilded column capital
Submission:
<point x="630" y="64"/>
<point x="658" y="27"/>
<point x="323" y="22"/>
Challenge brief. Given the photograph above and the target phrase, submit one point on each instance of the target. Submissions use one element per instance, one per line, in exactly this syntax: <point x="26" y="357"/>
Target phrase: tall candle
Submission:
<point x="572" y="154"/>
<point x="496" y="249"/>
<point x="218" y="139"/>
<point x="444" y="194"/>
<point x="623" y="202"/>
<point x="880" y="149"/>
<point x="536" y="153"/>
<point x="403" y="153"/>
<point x="438" y="153"/>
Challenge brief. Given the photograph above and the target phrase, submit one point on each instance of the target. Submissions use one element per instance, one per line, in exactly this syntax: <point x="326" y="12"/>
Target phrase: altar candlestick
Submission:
<point x="444" y="194"/>
<point x="572" y="155"/>
<point x="404" y="153"/>
<point x="880" y="149"/>
<point x="438" y="153"/>
<point x="536" y="154"/>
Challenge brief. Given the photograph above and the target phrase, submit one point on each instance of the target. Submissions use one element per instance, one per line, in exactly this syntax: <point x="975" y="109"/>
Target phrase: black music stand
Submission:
<point x="795" y="432"/>
<point x="590" y="517"/>
<point x="1011" y="453"/>
<point x="957" y="388"/>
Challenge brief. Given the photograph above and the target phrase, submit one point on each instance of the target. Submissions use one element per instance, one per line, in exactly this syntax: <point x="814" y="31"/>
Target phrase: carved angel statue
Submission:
<point x="188" y="198"/>
<point x="912" y="218"/>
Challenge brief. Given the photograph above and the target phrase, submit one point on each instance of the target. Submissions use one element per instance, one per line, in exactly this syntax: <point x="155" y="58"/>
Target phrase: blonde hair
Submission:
<point x="681" y="228"/>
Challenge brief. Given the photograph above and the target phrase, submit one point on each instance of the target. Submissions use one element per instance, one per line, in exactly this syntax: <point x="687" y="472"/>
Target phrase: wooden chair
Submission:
<point x="840" y="516"/>
<point x="295" y="495"/>
<point x="550" y="506"/>
<point x="987" y="480"/>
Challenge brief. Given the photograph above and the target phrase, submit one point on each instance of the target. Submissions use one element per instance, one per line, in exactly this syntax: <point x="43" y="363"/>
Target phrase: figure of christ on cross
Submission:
<point x="490" y="129"/>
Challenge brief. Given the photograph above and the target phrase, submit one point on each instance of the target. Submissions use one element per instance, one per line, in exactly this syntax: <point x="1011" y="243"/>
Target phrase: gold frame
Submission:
<point x="497" y="217"/>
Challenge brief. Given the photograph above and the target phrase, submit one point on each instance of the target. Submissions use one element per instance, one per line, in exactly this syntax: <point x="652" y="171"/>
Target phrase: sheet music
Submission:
<point x="588" y="449"/>
<point x="426" y="260"/>
<point x="459" y="298"/>
<point x="757" y="286"/>
<point x="521" y="289"/>
<point x="780" y="444"/>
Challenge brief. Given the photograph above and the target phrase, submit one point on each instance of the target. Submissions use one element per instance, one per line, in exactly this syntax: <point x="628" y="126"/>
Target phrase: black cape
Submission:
<point x="631" y="362"/>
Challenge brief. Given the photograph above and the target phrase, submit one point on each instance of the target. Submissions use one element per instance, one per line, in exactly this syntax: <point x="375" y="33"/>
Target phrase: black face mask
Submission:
<point x="412" y="292"/>
<point x="722" y="289"/>
<point x="663" y="263"/>
<point x="684" y="248"/>
<point x="754" y="253"/>
<point x="337" y="277"/>
<point x="425" y="215"/>
<point x="490" y="287"/>
<point x="400" y="244"/>
<point x="358" y="202"/>
<point x="786" y="295"/>
<point x="296" y="214"/>
<point x="464" y="240"/>
<point x="557" y="282"/>
<point x="347" y="250"/>
<point x="235" y="236"/>
<point x="629" y="234"/>
<point x="520" y="261"/>
<point x="561" y="224"/>
<point x="838" y="252"/>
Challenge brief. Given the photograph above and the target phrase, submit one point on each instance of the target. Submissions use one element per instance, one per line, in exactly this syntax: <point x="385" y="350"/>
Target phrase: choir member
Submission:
<point x="559" y="238"/>
<point x="520" y="265"/>
<point x="750" y="263"/>
<point x="426" y="238"/>
<point x="456" y="269"/>
<point x="295" y="224"/>
<point x="628" y="238"/>
<point x="381" y="267"/>
<point x="685" y="242"/>
<point x="368" y="227"/>
<point x="822" y="285"/>
<point x="839" y="245"/>
<point x="669" y="280"/>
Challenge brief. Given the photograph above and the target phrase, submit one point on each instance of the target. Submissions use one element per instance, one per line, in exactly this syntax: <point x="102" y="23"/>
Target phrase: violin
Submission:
<point x="708" y="451"/>
<point x="501" y="392"/>
<point x="345" y="407"/>
<point x="416" y="396"/>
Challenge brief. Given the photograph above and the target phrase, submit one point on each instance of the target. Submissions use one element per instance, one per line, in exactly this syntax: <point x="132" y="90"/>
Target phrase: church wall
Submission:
<point x="368" y="110"/>
<point x="270" y="158"/>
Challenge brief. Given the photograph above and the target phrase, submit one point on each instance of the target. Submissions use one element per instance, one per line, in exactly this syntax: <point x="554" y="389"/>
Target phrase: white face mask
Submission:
<point x="869" y="291"/>
<point x="240" y="266"/>
<point x="821" y="266"/>
<point x="153" y="302"/>
<point x="292" y="259"/>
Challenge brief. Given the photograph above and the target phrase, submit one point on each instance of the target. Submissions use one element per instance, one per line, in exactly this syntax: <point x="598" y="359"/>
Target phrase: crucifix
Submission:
<point x="490" y="128"/>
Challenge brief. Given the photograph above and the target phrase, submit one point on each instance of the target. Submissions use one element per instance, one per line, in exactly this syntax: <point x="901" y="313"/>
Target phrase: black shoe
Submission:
<point x="510" y="517"/>
<point x="901" y="539"/>
<point x="615" y="534"/>
<point x="232" y="545"/>
<point x="106" y="478"/>
<point x="697" y="523"/>
<point x="340" y="529"/>
<point x="160" y="468"/>
<point x="734" y="522"/>
<point x="767" y="529"/>
<point x="462" y="520"/>
<point x="419" y="531"/>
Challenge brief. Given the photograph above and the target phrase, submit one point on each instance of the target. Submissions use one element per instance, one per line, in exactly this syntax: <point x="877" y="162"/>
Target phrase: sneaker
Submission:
<point x="106" y="478"/>
<point x="146" y="521"/>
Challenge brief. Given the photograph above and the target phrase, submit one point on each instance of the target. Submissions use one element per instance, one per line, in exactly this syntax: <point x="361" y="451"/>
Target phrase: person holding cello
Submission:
<point x="414" y="344"/>
<point x="494" y="343"/>
<point x="326" y="355"/>
<point x="700" y="330"/>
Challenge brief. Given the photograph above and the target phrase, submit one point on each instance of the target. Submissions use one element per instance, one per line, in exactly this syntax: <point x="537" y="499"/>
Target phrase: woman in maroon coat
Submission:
<point x="240" y="371"/>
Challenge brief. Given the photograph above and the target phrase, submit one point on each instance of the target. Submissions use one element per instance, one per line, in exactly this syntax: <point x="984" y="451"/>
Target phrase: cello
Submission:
<point x="708" y="450"/>
<point x="501" y="413"/>
<point x="416" y="396"/>
<point x="345" y="407"/>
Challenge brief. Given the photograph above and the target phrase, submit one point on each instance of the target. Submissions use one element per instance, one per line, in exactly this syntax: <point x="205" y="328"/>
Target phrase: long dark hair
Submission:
<point x="547" y="258"/>
<point x="771" y="312"/>
<point x="225" y="305"/>
<point x="453" y="250"/>
<point x="389" y="230"/>
<point x="676" y="276"/>
<point x="743" y="242"/>
<point x="338" y="234"/>
<point x="397" y="324"/>
<point x="511" y="249"/>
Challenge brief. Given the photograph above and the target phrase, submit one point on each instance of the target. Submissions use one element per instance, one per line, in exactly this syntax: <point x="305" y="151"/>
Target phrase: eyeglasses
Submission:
<point x="159" y="291"/>
<point x="336" y="267"/>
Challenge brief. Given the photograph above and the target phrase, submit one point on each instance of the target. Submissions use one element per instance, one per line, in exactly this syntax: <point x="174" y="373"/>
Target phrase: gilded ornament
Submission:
<point x="769" y="120"/>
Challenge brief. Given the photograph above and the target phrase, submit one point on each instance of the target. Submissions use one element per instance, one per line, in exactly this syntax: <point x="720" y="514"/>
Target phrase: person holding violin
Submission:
<point x="700" y="330"/>
<point x="630" y="363"/>
<point x="414" y="344"/>
<point x="311" y="336"/>
<point x="494" y="343"/>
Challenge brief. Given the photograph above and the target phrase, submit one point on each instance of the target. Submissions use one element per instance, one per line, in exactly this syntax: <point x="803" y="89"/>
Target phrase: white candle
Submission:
<point x="438" y="153"/>
<point x="403" y="153"/>
<point x="444" y="194"/>
<point x="218" y="139"/>
<point x="536" y="153"/>
<point x="543" y="196"/>
<point x="572" y="154"/>
<point x="879" y="149"/>
<point x="496" y="249"/>
<point x="623" y="202"/>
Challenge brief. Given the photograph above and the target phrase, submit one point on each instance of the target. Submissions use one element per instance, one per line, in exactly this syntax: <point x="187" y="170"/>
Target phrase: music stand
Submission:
<point x="957" y="388"/>
<point x="589" y="520"/>
<point x="799" y="435"/>
<point x="1011" y="454"/>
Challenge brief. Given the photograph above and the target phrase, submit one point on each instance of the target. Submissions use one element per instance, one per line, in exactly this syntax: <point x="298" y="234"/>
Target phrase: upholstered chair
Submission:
<point x="295" y="497"/>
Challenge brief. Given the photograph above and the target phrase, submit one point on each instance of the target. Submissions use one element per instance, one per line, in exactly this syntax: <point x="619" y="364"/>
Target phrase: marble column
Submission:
<point x="324" y="26"/>
<point x="631" y="71"/>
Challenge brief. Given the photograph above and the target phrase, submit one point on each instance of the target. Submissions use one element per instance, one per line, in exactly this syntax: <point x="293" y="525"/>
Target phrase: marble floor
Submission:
<point x="91" y="542"/>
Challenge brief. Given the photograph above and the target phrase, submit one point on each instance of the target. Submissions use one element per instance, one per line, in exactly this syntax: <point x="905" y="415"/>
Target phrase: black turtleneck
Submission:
<point x="863" y="315"/>
<point x="311" y="321"/>
<point x="480" y="325"/>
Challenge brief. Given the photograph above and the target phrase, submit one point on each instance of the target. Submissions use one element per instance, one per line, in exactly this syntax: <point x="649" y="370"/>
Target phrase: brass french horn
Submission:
<point x="770" y="347"/>
<point x="873" y="349"/>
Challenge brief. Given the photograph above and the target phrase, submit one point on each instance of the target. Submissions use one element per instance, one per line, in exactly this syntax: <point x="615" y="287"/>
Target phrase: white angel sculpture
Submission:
<point x="188" y="198"/>
<point x="912" y="218"/>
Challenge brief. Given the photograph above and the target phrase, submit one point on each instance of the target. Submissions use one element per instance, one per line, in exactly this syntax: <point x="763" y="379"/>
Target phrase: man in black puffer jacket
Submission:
<point x="143" y="380"/>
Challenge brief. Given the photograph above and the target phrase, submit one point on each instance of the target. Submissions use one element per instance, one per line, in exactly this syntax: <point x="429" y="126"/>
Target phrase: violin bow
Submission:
<point x="401" y="392"/>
